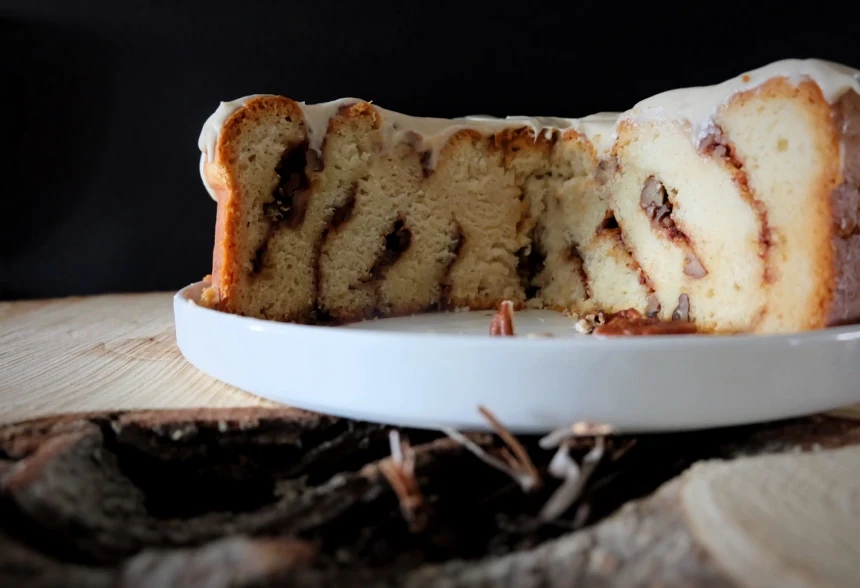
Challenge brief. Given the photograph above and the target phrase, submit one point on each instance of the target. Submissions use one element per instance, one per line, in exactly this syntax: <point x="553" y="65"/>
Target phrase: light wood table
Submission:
<point x="115" y="352"/>
<point x="780" y="508"/>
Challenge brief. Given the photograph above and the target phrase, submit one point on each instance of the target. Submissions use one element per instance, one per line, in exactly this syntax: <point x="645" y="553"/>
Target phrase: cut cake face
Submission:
<point x="737" y="202"/>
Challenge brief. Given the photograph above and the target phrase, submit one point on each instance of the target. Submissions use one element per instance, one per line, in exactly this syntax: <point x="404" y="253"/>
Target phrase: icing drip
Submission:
<point x="699" y="105"/>
<point x="212" y="127"/>
<point x="208" y="138"/>
<point x="317" y="117"/>
<point x="600" y="129"/>
<point x="696" y="105"/>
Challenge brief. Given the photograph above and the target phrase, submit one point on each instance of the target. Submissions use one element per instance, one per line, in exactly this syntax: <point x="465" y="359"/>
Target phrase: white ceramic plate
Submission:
<point x="436" y="369"/>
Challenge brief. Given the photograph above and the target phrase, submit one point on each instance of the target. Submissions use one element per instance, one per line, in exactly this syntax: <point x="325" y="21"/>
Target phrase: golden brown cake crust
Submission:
<point x="222" y="179"/>
<point x="819" y="219"/>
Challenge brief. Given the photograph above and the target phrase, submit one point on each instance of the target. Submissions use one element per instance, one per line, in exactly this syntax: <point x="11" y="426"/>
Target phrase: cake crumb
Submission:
<point x="209" y="297"/>
<point x="589" y="322"/>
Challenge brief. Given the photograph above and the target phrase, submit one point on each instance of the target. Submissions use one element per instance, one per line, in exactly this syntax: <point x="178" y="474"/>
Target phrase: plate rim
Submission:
<point x="559" y="363"/>
<point x="842" y="332"/>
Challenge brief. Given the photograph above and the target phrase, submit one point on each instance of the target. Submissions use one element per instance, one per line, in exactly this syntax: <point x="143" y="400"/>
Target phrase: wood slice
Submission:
<point x="241" y="497"/>
<point x="780" y="521"/>
<point x="115" y="352"/>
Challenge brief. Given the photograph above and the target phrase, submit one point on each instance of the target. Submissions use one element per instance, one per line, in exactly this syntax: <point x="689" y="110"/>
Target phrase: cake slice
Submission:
<point x="731" y="206"/>
<point x="345" y="211"/>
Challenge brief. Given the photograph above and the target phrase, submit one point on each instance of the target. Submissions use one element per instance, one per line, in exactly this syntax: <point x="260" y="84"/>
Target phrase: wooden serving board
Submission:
<point x="114" y="352"/>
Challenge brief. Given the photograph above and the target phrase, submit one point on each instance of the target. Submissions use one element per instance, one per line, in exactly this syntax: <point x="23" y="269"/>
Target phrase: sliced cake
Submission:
<point x="732" y="206"/>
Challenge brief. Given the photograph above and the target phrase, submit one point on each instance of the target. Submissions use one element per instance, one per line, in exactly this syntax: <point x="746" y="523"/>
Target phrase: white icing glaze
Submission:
<point x="697" y="105"/>
<point x="600" y="129"/>
<point x="317" y="117"/>
<point x="212" y="127"/>
<point x="426" y="134"/>
<point x="434" y="133"/>
<point x="208" y="138"/>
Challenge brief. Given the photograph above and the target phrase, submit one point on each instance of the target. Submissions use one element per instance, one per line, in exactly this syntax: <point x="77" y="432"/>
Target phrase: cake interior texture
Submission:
<point x="733" y="206"/>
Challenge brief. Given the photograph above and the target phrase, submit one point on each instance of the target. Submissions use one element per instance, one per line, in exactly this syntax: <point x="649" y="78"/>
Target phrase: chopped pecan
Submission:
<point x="693" y="266"/>
<point x="682" y="311"/>
<point x="502" y="324"/>
<point x="630" y="322"/>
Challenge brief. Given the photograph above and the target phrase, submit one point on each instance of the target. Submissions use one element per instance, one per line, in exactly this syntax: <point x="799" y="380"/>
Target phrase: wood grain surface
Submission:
<point x="785" y="520"/>
<point x="112" y="352"/>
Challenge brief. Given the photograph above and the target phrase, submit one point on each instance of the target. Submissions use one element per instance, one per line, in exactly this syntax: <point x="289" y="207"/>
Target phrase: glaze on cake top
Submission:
<point x="696" y="105"/>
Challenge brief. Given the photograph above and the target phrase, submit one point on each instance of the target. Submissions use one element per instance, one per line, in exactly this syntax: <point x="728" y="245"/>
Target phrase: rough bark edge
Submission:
<point x="644" y="543"/>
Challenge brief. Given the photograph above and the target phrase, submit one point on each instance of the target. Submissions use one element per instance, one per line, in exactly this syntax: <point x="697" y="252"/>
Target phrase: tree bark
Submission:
<point x="250" y="497"/>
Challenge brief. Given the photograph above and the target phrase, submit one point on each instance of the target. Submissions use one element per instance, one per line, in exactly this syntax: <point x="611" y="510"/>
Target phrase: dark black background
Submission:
<point x="103" y="101"/>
